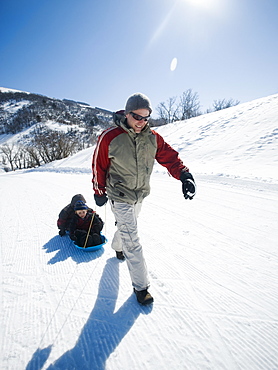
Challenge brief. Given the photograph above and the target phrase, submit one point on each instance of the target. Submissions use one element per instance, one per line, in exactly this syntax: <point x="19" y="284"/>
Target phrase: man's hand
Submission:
<point x="100" y="199"/>
<point x="188" y="185"/>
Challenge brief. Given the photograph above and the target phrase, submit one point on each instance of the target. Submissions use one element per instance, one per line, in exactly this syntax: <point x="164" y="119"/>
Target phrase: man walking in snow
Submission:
<point x="122" y="165"/>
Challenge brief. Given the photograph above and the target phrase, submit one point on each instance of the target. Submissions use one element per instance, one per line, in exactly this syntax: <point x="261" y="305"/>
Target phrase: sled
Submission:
<point x="94" y="247"/>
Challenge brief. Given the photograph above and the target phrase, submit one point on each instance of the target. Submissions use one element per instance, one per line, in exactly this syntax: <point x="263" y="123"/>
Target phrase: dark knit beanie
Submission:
<point x="137" y="101"/>
<point x="79" y="205"/>
<point x="77" y="197"/>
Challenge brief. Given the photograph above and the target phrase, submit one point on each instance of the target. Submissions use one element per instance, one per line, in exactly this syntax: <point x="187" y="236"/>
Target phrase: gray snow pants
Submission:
<point x="126" y="239"/>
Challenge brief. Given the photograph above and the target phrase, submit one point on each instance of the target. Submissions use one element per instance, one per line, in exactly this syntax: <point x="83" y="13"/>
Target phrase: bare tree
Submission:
<point x="223" y="104"/>
<point x="189" y="105"/>
<point x="167" y="111"/>
<point x="10" y="153"/>
<point x="21" y="158"/>
<point x="33" y="157"/>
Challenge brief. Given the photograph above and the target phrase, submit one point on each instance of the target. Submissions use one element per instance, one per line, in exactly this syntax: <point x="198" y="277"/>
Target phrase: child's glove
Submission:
<point x="62" y="232"/>
<point x="188" y="185"/>
<point x="100" y="199"/>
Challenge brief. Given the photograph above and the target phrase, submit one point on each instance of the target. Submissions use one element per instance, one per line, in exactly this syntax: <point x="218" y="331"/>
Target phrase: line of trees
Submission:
<point x="45" y="146"/>
<point x="188" y="106"/>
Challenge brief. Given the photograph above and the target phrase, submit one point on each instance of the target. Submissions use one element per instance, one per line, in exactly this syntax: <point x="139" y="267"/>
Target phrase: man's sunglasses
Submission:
<point x="138" y="117"/>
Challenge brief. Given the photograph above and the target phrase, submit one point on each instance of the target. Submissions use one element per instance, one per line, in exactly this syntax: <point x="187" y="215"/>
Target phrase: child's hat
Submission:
<point x="79" y="205"/>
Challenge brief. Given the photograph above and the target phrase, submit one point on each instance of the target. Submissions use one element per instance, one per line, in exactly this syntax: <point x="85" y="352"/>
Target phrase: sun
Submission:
<point x="205" y="4"/>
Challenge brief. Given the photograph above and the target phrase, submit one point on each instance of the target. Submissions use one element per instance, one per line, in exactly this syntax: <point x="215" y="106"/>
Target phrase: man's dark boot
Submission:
<point x="120" y="256"/>
<point x="143" y="296"/>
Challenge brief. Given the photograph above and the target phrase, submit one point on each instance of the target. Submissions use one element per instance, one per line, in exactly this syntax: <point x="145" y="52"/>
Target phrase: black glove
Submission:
<point x="100" y="199"/>
<point x="188" y="185"/>
<point x="62" y="232"/>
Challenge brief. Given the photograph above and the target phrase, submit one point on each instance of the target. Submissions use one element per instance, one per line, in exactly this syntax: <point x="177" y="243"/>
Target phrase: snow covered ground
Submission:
<point x="212" y="261"/>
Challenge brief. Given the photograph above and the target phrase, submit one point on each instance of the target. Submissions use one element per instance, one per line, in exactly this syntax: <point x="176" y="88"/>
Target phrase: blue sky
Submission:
<point x="100" y="52"/>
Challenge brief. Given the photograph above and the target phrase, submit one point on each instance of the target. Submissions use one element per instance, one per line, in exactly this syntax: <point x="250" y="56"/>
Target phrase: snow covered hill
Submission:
<point x="212" y="261"/>
<point x="238" y="141"/>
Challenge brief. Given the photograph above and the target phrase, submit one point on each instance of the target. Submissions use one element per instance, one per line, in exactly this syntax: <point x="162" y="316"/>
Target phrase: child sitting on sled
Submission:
<point x="85" y="226"/>
<point x="67" y="213"/>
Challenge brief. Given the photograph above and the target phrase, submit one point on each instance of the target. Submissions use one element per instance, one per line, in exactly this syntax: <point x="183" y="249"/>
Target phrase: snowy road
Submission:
<point x="213" y="269"/>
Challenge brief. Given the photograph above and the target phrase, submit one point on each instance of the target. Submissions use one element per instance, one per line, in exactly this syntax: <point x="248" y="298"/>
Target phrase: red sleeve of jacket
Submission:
<point x="101" y="161"/>
<point x="168" y="157"/>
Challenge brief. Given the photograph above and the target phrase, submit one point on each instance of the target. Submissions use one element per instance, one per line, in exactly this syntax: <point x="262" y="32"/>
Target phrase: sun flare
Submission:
<point x="174" y="63"/>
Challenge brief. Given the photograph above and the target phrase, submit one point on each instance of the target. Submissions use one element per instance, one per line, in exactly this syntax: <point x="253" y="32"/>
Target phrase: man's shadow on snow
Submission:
<point x="103" y="331"/>
<point x="65" y="249"/>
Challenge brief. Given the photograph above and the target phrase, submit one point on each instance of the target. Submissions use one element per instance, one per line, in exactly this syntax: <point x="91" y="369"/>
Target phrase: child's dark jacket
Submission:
<point x="78" y="223"/>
